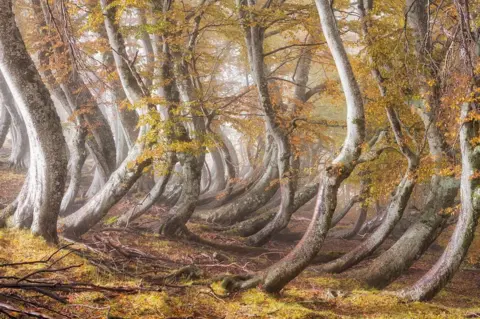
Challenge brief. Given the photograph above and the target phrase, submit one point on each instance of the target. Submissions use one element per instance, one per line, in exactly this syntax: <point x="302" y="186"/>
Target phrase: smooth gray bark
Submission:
<point x="418" y="237"/>
<point x="279" y="274"/>
<point x="48" y="162"/>
<point x="151" y="198"/>
<point x="255" y="198"/>
<point x="131" y="169"/>
<point x="444" y="269"/>
<point x="20" y="140"/>
<point x="254" y="38"/>
<point x="5" y="121"/>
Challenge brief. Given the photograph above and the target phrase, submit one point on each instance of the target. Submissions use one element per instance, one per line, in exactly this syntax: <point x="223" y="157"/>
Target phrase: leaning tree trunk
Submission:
<point x="350" y="233"/>
<point x="254" y="37"/>
<point x="152" y="197"/>
<point x="392" y="263"/>
<point x="127" y="173"/>
<point x="252" y="225"/>
<point x="394" y="213"/>
<point x="5" y="121"/>
<point x="48" y="163"/>
<point x="278" y="275"/>
<point x="258" y="196"/>
<point x="78" y="155"/>
<point x="86" y="114"/>
<point x="20" y="140"/>
<point x="421" y="234"/>
<point x="444" y="269"/>
<point x="341" y="214"/>
<point x="362" y="216"/>
<point x="395" y="210"/>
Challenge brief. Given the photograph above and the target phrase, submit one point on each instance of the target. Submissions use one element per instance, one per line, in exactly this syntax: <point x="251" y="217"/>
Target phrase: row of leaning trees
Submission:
<point x="170" y="95"/>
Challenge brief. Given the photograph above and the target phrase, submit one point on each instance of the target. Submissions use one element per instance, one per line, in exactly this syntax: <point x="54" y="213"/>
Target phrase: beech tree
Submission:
<point x="38" y="203"/>
<point x="245" y="126"/>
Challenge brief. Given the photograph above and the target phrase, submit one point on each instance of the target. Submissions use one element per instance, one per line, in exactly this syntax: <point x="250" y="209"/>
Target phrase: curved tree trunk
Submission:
<point x="395" y="210"/>
<point x="48" y="163"/>
<point x="20" y="140"/>
<point x="444" y="269"/>
<point x="341" y="214"/>
<point x="206" y="179"/>
<point x="254" y="37"/>
<point x="373" y="224"/>
<point x="78" y="155"/>
<point x="362" y="216"/>
<point x="218" y="173"/>
<point x="392" y="263"/>
<point x="73" y="93"/>
<point x="238" y="188"/>
<point x="443" y="189"/>
<point x="228" y="161"/>
<point x="127" y="173"/>
<point x="252" y="225"/>
<point x="350" y="233"/>
<point x="5" y="121"/>
<point x="81" y="106"/>
<point x="151" y="198"/>
<point x="232" y="157"/>
<point x="184" y="208"/>
<point x="258" y="196"/>
<point x="278" y="275"/>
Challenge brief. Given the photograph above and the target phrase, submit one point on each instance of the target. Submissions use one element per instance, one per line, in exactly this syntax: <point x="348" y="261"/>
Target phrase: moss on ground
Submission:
<point x="310" y="296"/>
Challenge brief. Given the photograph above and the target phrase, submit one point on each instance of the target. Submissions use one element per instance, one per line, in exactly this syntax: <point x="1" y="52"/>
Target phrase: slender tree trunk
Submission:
<point x="48" y="163"/>
<point x="397" y="206"/>
<point x="254" y="37"/>
<point x="252" y="225"/>
<point x="278" y="275"/>
<point x="5" y="121"/>
<point x="80" y="105"/>
<point x="258" y="196"/>
<point x="350" y="233"/>
<point x="444" y="269"/>
<point x="127" y="173"/>
<point x="229" y="165"/>
<point x="341" y="214"/>
<point x="78" y="155"/>
<point x="20" y="140"/>
<point x="362" y="216"/>
<point x="392" y="263"/>
<point x="151" y="198"/>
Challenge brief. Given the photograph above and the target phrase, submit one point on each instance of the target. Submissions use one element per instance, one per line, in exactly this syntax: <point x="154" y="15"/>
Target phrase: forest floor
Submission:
<point x="135" y="273"/>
